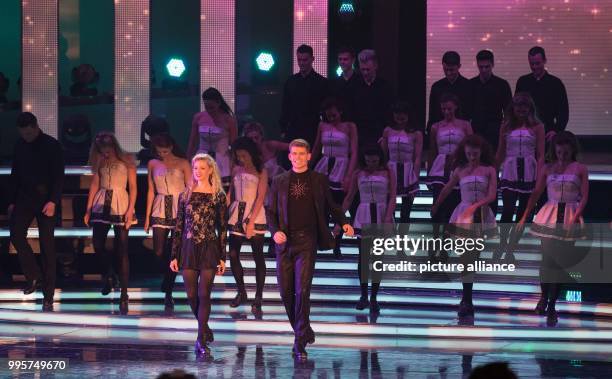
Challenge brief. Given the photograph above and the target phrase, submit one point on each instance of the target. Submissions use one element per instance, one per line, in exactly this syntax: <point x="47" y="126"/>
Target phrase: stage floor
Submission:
<point x="100" y="343"/>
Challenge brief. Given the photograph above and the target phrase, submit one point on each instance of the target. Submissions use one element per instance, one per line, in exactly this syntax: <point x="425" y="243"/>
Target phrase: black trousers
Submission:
<point x="295" y="262"/>
<point x="22" y="217"/>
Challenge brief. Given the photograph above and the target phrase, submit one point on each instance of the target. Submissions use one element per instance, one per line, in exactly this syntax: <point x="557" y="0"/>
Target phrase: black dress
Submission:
<point x="201" y="230"/>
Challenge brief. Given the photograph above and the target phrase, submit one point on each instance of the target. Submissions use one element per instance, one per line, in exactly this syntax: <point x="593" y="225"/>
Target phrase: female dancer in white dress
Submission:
<point x="336" y="144"/>
<point x="111" y="200"/>
<point x="445" y="136"/>
<point x="520" y="155"/>
<point x="559" y="222"/>
<point x="402" y="143"/>
<point x="168" y="175"/>
<point x="213" y="131"/>
<point x="247" y="218"/>
<point x="477" y="180"/>
<point x="377" y="194"/>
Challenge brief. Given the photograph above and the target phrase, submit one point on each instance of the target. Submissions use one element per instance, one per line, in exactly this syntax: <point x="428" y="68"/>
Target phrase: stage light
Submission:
<point x="265" y="61"/>
<point x="175" y="67"/>
<point x="339" y="71"/>
<point x="346" y="11"/>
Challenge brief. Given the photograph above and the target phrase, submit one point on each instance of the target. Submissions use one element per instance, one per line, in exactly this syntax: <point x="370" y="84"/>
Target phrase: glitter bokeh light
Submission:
<point x="577" y="36"/>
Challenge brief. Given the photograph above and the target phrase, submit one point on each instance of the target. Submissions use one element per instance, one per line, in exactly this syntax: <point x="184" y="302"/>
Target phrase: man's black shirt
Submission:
<point x="550" y="99"/>
<point x="489" y="101"/>
<point x="371" y="110"/>
<point x="460" y="87"/>
<point x="300" y="205"/>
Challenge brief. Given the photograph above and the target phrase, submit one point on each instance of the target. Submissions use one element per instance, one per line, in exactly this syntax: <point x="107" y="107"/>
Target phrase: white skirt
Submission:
<point x="405" y="177"/>
<point x="519" y="174"/>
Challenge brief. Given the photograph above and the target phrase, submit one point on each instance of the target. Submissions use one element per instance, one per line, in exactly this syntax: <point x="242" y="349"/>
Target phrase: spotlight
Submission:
<point x="175" y="67"/>
<point x="339" y="71"/>
<point x="265" y="61"/>
<point x="346" y="11"/>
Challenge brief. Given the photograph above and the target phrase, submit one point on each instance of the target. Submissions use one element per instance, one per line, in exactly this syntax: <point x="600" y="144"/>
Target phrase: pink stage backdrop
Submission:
<point x="132" y="70"/>
<point x="39" y="71"/>
<point x="217" y="48"/>
<point x="310" y="27"/>
<point x="577" y="36"/>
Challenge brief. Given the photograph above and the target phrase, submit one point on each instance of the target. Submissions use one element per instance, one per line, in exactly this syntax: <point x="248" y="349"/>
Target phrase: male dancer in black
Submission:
<point x="37" y="176"/>
<point x="299" y="208"/>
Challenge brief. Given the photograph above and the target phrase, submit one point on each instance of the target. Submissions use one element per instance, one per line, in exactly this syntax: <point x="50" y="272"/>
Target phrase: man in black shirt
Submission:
<point x="491" y="95"/>
<point x="453" y="82"/>
<point x="372" y="99"/>
<point x="300" y="205"/>
<point x="37" y="176"/>
<point x="547" y="91"/>
<point x="344" y="86"/>
<point x="302" y="97"/>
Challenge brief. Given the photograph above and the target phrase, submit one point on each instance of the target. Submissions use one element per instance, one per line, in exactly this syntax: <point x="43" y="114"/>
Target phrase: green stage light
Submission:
<point x="265" y="61"/>
<point x="339" y="71"/>
<point x="175" y="67"/>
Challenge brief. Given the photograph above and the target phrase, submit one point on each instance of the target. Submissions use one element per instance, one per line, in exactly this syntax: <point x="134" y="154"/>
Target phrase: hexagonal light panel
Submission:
<point x="265" y="61"/>
<point x="175" y="67"/>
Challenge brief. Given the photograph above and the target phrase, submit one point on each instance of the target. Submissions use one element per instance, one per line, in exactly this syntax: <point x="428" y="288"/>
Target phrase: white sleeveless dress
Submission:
<point x="552" y="220"/>
<point x="447" y="139"/>
<point x="519" y="169"/>
<point x="335" y="160"/>
<point x="112" y="199"/>
<point x="473" y="188"/>
<point x="245" y="193"/>
<point x="401" y="161"/>
<point x="214" y="141"/>
<point x="169" y="183"/>
<point x="373" y="199"/>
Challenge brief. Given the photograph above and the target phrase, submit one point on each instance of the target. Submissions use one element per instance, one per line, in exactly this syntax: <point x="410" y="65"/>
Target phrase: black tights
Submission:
<point x="405" y="209"/>
<point x="552" y="272"/>
<point x="161" y="248"/>
<point x="509" y="208"/>
<point x="198" y="295"/>
<point x="445" y="210"/>
<point x="363" y="272"/>
<point x="119" y="255"/>
<point x="257" y="242"/>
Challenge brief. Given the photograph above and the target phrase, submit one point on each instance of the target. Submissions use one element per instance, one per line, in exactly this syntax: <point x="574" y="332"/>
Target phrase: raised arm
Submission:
<point x="192" y="145"/>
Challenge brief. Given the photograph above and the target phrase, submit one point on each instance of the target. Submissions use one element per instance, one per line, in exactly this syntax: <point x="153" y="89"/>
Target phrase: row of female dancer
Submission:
<point x="192" y="200"/>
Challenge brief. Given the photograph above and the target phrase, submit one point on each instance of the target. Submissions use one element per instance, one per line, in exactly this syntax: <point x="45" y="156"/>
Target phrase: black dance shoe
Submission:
<point x="168" y="302"/>
<point x="374" y="306"/>
<point x="465" y="309"/>
<point x="337" y="252"/>
<point x="310" y="336"/>
<point x="47" y="304"/>
<point x="362" y="303"/>
<point x="123" y="304"/>
<point x="541" y="307"/>
<point x="551" y="317"/>
<point x="240" y="298"/>
<point x="299" y="351"/>
<point x="202" y="349"/>
<point x="31" y="287"/>
<point x="109" y="284"/>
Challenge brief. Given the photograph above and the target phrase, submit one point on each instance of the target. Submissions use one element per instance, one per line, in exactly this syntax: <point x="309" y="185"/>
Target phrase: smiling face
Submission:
<point x="201" y="170"/>
<point x="451" y="71"/>
<point x="299" y="157"/>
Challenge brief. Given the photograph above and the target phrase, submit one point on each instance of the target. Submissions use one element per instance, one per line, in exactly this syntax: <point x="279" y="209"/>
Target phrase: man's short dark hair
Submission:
<point x="485" y="55"/>
<point x="346" y="49"/>
<point x="26" y="119"/>
<point x="451" y="58"/>
<point x="305" y="49"/>
<point x="537" y="50"/>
